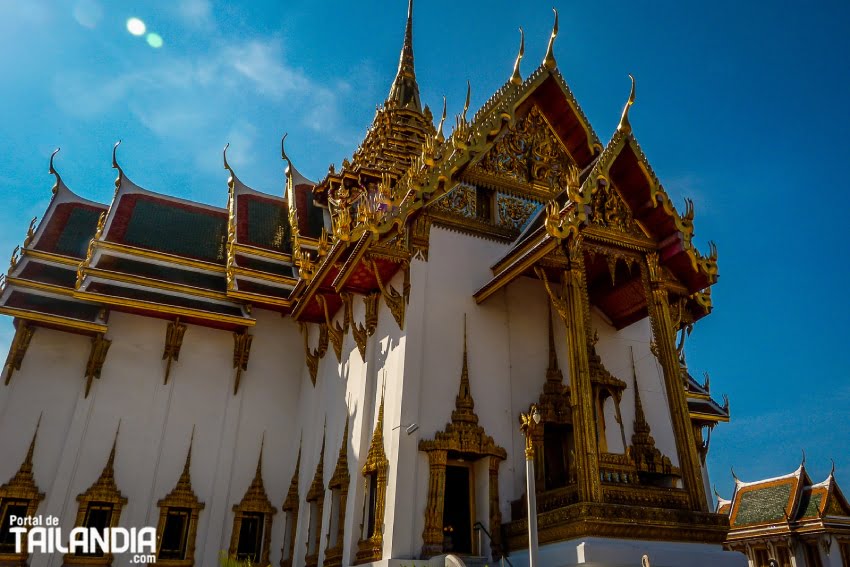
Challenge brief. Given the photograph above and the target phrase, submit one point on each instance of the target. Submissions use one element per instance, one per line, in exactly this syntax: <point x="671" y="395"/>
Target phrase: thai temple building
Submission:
<point x="335" y="373"/>
<point x="790" y="520"/>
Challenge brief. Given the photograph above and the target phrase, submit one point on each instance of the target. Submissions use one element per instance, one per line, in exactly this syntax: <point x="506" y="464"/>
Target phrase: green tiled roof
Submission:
<point x="268" y="226"/>
<point x="810" y="504"/>
<point x="762" y="505"/>
<point x="164" y="227"/>
<point x="77" y="232"/>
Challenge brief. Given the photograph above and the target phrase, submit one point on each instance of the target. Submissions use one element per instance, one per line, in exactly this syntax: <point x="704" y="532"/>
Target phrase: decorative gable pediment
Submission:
<point x="529" y="153"/>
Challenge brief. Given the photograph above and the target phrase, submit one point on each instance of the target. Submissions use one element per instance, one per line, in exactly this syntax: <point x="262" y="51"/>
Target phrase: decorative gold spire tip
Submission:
<point x="224" y="157"/>
<point x="516" y="78"/>
<point x="114" y="157"/>
<point x="440" y="136"/>
<point x="625" y="127"/>
<point x="468" y="97"/>
<point x="549" y="61"/>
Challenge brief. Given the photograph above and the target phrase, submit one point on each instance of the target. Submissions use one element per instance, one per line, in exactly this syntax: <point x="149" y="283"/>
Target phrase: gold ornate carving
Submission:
<point x="335" y="331"/>
<point x="103" y="491"/>
<point x="664" y="337"/>
<point x="339" y="481"/>
<point x="371" y="549"/>
<point x="97" y="356"/>
<point x="241" y="351"/>
<point x="462" y="437"/>
<point x="625" y="126"/>
<point x="420" y="236"/>
<point x="644" y="453"/>
<point x="549" y="60"/>
<point x="182" y="496"/>
<point x="18" y="349"/>
<point x="254" y="501"/>
<point x="22" y="487"/>
<point x="316" y="495"/>
<point x="397" y="302"/>
<point x="459" y="201"/>
<point x="13" y="259"/>
<point x="358" y="331"/>
<point x="313" y="355"/>
<point x="173" y="343"/>
<point x="516" y="76"/>
<point x="514" y="212"/>
<point x="290" y="506"/>
<point x="530" y="152"/>
<point x="30" y="233"/>
<point x="609" y="210"/>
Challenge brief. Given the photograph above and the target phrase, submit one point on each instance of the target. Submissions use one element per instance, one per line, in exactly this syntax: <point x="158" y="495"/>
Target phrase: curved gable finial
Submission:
<point x="549" y="61"/>
<point x="52" y="171"/>
<point x="625" y="126"/>
<point x="116" y="166"/>
<point x="468" y="96"/>
<point x="516" y="78"/>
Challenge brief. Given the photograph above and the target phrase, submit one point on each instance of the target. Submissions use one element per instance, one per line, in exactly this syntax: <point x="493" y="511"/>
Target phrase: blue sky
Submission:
<point x="743" y="108"/>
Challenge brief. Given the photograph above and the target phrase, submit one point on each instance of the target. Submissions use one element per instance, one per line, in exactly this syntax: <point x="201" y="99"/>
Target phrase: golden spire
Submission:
<point x="516" y="78"/>
<point x="464" y="404"/>
<point x="227" y="165"/>
<point x="549" y="61"/>
<point x="23" y="483"/>
<point x="440" y="137"/>
<point x="404" y="91"/>
<point x="26" y="466"/>
<point x="186" y="476"/>
<point x="625" y="127"/>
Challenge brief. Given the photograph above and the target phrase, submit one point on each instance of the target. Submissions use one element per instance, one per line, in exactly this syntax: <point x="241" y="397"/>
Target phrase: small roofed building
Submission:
<point x="789" y="520"/>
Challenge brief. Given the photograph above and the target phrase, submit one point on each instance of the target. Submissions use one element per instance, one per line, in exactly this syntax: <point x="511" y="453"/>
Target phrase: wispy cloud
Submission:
<point x="180" y="97"/>
<point x="196" y="13"/>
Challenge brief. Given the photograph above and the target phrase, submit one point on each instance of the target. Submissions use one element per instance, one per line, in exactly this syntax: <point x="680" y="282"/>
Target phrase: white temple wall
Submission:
<point x="615" y="348"/>
<point x="458" y="265"/>
<point x="528" y="309"/>
<point x="156" y="421"/>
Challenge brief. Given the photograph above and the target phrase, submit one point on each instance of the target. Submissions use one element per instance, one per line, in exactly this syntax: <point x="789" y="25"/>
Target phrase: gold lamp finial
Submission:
<point x="549" y="61"/>
<point x="625" y="127"/>
<point x="516" y="78"/>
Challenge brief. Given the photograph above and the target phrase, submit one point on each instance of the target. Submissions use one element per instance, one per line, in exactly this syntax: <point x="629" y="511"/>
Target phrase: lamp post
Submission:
<point x="530" y="421"/>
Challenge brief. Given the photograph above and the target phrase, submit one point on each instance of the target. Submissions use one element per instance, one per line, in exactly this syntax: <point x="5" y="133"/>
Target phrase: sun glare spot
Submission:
<point x="154" y="40"/>
<point x="136" y="26"/>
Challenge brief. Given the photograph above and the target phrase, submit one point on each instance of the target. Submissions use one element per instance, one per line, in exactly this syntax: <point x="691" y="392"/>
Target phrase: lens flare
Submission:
<point x="136" y="26"/>
<point x="154" y="40"/>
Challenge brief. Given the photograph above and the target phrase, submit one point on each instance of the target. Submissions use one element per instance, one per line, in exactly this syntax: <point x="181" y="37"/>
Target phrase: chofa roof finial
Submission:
<point x="549" y="61"/>
<point x="516" y="78"/>
<point x="625" y="126"/>
<point x="52" y="171"/>
<point x="116" y="166"/>
<point x="440" y="136"/>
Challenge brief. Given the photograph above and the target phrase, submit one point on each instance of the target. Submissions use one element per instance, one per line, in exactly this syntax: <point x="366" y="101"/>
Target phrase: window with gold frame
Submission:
<point x="178" y="520"/>
<point x="18" y="497"/>
<point x="99" y="507"/>
<point x="252" y="521"/>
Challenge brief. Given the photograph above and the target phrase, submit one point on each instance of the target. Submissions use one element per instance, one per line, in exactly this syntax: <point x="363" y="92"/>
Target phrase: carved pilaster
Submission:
<point x="18" y="349"/>
<point x="290" y="506"/>
<point x="241" y="351"/>
<point x="664" y="334"/>
<point x="372" y="548"/>
<point x="173" y="343"/>
<point x="432" y="535"/>
<point x="572" y="305"/>
<point x="495" y="512"/>
<point x="339" y="481"/>
<point x="97" y="356"/>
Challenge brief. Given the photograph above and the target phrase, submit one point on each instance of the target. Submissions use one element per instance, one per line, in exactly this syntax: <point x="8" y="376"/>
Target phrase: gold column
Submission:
<point x="495" y="511"/>
<point x="432" y="535"/>
<point x="574" y="309"/>
<point x="664" y="334"/>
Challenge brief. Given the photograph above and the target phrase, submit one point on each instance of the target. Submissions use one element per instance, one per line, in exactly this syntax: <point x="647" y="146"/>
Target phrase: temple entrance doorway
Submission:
<point x="457" y="510"/>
